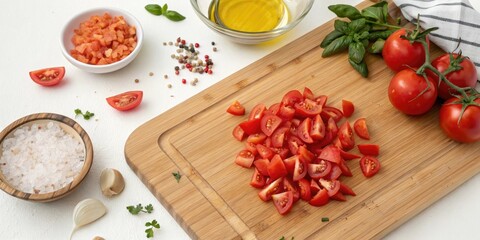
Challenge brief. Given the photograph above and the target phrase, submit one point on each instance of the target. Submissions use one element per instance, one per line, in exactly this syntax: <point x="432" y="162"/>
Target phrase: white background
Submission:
<point x="30" y="40"/>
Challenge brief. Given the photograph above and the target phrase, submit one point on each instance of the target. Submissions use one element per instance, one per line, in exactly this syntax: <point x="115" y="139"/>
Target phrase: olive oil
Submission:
<point x="249" y="15"/>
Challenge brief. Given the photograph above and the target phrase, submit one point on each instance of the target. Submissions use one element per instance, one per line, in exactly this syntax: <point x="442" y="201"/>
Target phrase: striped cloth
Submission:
<point x="457" y="20"/>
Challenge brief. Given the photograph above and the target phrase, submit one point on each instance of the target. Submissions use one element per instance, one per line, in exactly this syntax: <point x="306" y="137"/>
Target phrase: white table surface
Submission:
<point x="30" y="40"/>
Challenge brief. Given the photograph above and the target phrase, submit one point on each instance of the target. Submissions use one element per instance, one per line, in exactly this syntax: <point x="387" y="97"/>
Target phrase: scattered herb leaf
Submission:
<point x="149" y="231"/>
<point x="177" y="176"/>
<point x="325" y="219"/>
<point x="158" y="10"/>
<point x="283" y="238"/>
<point x="135" y="210"/>
<point x="87" y="115"/>
<point x="149" y="208"/>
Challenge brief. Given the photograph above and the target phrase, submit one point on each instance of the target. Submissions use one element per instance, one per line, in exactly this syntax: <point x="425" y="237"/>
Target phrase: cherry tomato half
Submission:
<point x="48" y="76"/>
<point x="126" y="101"/>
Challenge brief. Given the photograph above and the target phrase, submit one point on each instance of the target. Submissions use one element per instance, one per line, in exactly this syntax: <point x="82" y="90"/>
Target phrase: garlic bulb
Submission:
<point x="87" y="211"/>
<point x="111" y="182"/>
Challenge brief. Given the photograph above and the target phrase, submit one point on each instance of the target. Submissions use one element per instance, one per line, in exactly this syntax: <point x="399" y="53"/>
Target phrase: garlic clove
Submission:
<point x="87" y="211"/>
<point x="111" y="182"/>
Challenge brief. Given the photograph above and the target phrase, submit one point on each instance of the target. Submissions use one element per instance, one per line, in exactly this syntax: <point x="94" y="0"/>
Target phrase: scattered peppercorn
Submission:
<point x="214" y="49"/>
<point x="150" y="74"/>
<point x="213" y="43"/>
<point x="137" y="81"/>
<point x="177" y="68"/>
<point x="165" y="76"/>
<point x="164" y="44"/>
<point x="169" y="85"/>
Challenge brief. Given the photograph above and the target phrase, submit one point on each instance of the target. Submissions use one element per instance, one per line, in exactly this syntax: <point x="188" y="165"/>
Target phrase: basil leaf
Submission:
<point x="341" y="26"/>
<point x="154" y="9"/>
<point x="337" y="46"/>
<point x="174" y="16"/>
<point x="380" y="34"/>
<point x="356" y="52"/>
<point x="343" y="10"/>
<point x="164" y="8"/>
<point x="384" y="6"/>
<point x="330" y="37"/>
<point x="377" y="46"/>
<point x="356" y="25"/>
<point x="360" y="67"/>
<point x="375" y="13"/>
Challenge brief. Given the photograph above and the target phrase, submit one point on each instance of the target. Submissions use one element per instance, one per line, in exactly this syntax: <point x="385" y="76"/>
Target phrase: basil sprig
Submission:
<point x="366" y="31"/>
<point x="158" y="10"/>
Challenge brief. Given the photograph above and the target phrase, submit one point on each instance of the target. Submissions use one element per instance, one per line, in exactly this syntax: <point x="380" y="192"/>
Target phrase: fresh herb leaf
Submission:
<point x="174" y="16"/>
<point x="153" y="224"/>
<point x="86" y="116"/>
<point x="356" y="52"/>
<point x="135" y="210"/>
<point x="337" y="46"/>
<point x="325" y="219"/>
<point x="377" y="46"/>
<point x="149" y="208"/>
<point x="375" y="13"/>
<point x="343" y="10"/>
<point x="154" y="9"/>
<point x="177" y="176"/>
<point x="356" y="25"/>
<point x="164" y="8"/>
<point x="283" y="238"/>
<point x="380" y="34"/>
<point x="341" y="26"/>
<point x="149" y="232"/>
<point x="330" y="37"/>
<point x="360" y="67"/>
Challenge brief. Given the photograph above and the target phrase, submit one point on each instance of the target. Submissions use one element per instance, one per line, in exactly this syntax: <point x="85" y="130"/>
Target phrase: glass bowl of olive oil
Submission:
<point x="251" y="21"/>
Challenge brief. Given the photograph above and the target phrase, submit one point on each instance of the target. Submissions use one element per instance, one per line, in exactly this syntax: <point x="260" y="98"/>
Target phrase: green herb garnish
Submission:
<point x="283" y="238"/>
<point x="157" y="10"/>
<point x="135" y="210"/>
<point x="87" y="115"/>
<point x="149" y="231"/>
<point x="365" y="31"/>
<point x="325" y="219"/>
<point x="177" y="176"/>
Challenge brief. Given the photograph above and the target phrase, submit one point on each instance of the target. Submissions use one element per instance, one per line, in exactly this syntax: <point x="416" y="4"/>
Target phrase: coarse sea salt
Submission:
<point x="41" y="158"/>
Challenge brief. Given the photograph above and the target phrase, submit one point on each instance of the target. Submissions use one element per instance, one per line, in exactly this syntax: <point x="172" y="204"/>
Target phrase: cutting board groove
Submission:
<point x="213" y="199"/>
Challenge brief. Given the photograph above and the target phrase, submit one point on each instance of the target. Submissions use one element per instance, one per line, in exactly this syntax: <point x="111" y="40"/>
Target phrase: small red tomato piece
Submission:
<point x="236" y="109"/>
<point x="283" y="202"/>
<point x="348" y="108"/>
<point x="126" y="101"/>
<point x="48" y="77"/>
<point x="360" y="127"/>
<point x="369" y="165"/>
<point x="369" y="149"/>
<point x="245" y="159"/>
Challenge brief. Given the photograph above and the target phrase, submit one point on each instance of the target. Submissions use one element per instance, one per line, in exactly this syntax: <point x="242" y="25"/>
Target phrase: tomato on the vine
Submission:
<point x="465" y="77"/>
<point x="398" y="53"/>
<point x="467" y="129"/>
<point x="410" y="93"/>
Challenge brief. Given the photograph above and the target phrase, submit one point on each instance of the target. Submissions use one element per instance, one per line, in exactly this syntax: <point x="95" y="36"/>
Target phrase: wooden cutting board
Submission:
<point x="213" y="199"/>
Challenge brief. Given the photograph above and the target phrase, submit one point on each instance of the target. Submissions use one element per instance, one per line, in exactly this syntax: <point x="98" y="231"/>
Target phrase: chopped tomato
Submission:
<point x="304" y="189"/>
<point x="286" y="112"/>
<point x="274" y="109"/>
<point x="252" y="148"/>
<point x="126" y="101"/>
<point x="308" y="94"/>
<point x="262" y="166"/>
<point x="321" y="100"/>
<point x="348" y="156"/>
<point x="348" y="108"/>
<point x="269" y="123"/>
<point x="288" y="185"/>
<point x="238" y="133"/>
<point x="278" y="137"/>
<point x="345" y="135"/>
<point x="320" y="169"/>
<point x="251" y="126"/>
<point x="369" y="149"/>
<point x="346" y="190"/>
<point x="264" y="152"/>
<point x="294" y="143"/>
<point x="314" y="187"/>
<point x="331" y="153"/>
<point x="276" y="168"/>
<point x="345" y="169"/>
<point x="300" y="169"/>
<point x="339" y="197"/>
<point x="331" y="112"/>
<point x="236" y="109"/>
<point x="292" y="97"/>
<point x="335" y="173"/>
<point x="332" y="186"/>
<point x="360" y="127"/>
<point x="290" y="164"/>
<point x="257" y="112"/>
<point x="304" y="154"/>
<point x="272" y="188"/>
<point x="317" y="132"/>
<point x="257" y="138"/>
<point x="303" y="131"/>
<point x="48" y="76"/>
<point x="245" y="159"/>
<point x="283" y="202"/>
<point x="307" y="108"/>
<point x="258" y="180"/>
<point x="320" y="199"/>
<point x="369" y="165"/>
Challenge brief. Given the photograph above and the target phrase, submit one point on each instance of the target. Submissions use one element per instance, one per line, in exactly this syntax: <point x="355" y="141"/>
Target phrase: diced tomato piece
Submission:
<point x="308" y="94"/>
<point x="339" y="197"/>
<point x="238" y="133"/>
<point x="257" y="112"/>
<point x="290" y="164"/>
<point x="331" y="153"/>
<point x="294" y="143"/>
<point x="369" y="165"/>
<point x="345" y="169"/>
<point x="257" y="138"/>
<point x="300" y="169"/>
<point x="304" y="154"/>
<point x="369" y="149"/>
<point x="346" y="190"/>
<point x="274" y="109"/>
<point x="292" y="97"/>
<point x="245" y="159"/>
<point x="348" y="108"/>
<point x="360" y="127"/>
<point x="269" y="123"/>
<point x="236" y="109"/>
<point x="251" y="126"/>
<point x="286" y="112"/>
<point x="321" y="100"/>
<point x="332" y="186"/>
<point x="348" y="155"/>
<point x="307" y="108"/>
<point x="304" y="189"/>
<point x="345" y="135"/>
<point x="320" y="199"/>
<point x="314" y="187"/>
<point x="278" y="137"/>
<point x="252" y="148"/>
<point x="319" y="170"/>
<point x="318" y="129"/>
<point x="283" y="152"/>
<point x="264" y="152"/>
<point x="332" y="128"/>
<point x="262" y="166"/>
<point x="335" y="173"/>
<point x="272" y="188"/>
<point x="258" y="180"/>
<point x="303" y="131"/>
<point x="288" y="185"/>
<point x="276" y="168"/>
<point x="283" y="202"/>
<point x="331" y="112"/>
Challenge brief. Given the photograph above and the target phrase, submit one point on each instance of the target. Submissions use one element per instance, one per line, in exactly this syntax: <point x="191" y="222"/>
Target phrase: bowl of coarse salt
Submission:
<point x="43" y="157"/>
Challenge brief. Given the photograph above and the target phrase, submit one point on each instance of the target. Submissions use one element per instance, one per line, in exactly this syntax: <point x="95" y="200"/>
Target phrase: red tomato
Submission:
<point x="252" y="148"/>
<point x="307" y="108"/>
<point x="288" y="185"/>
<point x="468" y="128"/>
<point x="290" y="164"/>
<point x="399" y="53"/>
<point x="369" y="149"/>
<point x="126" y="101"/>
<point x="251" y="126"/>
<point x="245" y="159"/>
<point x="348" y="156"/>
<point x="321" y="100"/>
<point x="314" y="187"/>
<point x="308" y="94"/>
<point x="269" y="123"/>
<point x="304" y="188"/>
<point x="272" y="188"/>
<point x="283" y="202"/>
<point x="360" y="127"/>
<point x="278" y="137"/>
<point x="264" y="151"/>
<point x="331" y="112"/>
<point x="317" y="131"/>
<point x="348" y="108"/>
<point x="257" y="112"/>
<point x="346" y="190"/>
<point x="238" y="133"/>
<point x="48" y="76"/>
<point x="410" y="93"/>
<point x="258" y="180"/>
<point x="339" y="197"/>
<point x="274" y="109"/>
<point x="292" y="97"/>
<point x="262" y="166"/>
<point x="303" y="131"/>
<point x="320" y="199"/>
<point x="286" y="112"/>
<point x="257" y="138"/>
<point x="332" y="186"/>
<point x="335" y="173"/>
<point x="465" y="77"/>
<point x="276" y="168"/>
<point x="331" y="153"/>
<point x="345" y="169"/>
<point x="294" y="143"/>
<point x="369" y="165"/>
<point x="305" y="154"/>
<point x="320" y="169"/>
<point x="236" y="109"/>
<point x="345" y="135"/>
<point x="300" y="169"/>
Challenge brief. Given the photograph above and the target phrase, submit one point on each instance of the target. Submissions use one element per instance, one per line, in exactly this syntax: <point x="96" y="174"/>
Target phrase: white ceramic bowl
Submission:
<point x="74" y="23"/>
